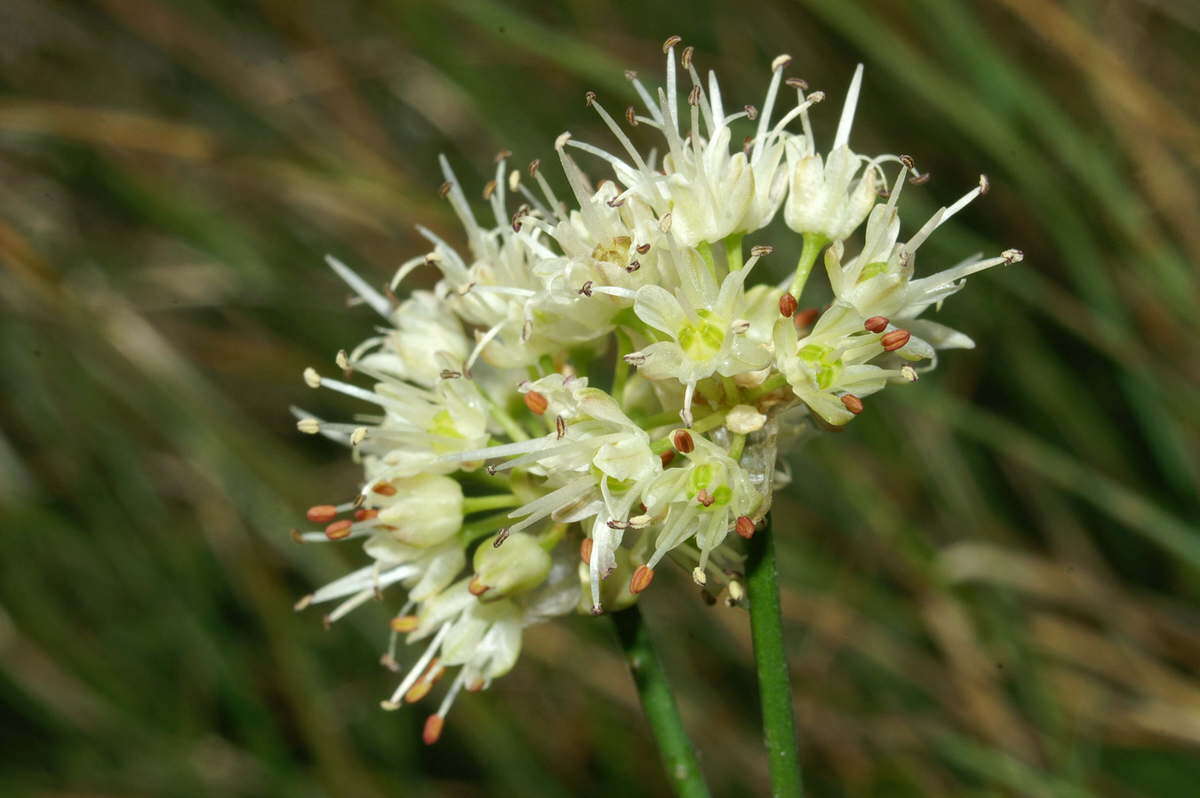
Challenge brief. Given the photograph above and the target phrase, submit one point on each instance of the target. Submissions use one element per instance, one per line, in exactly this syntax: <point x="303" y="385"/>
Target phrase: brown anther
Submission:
<point x="560" y="427"/>
<point x="787" y="305"/>
<point x="586" y="288"/>
<point x="805" y="318"/>
<point x="616" y="524"/>
<point x="630" y="74"/>
<point x="666" y="457"/>
<point x="642" y="249"/>
<point x="488" y="189"/>
<point x="444" y="189"/>
<point x="536" y="402"/>
<point x="503" y="155"/>
<point x="385" y="489"/>
<point x="359" y="500"/>
<point x="501" y="536"/>
<point x="908" y="162"/>
<point x="516" y="221"/>
<point x="633" y="266"/>
<point x="403" y="624"/>
<point x="694" y="95"/>
<point x="876" y="324"/>
<point x="894" y="340"/>
<point x="447" y="374"/>
<point x="985" y="185"/>
<point x="631" y="116"/>
<point x="745" y="527"/>
<point x="751" y="113"/>
<point x="920" y="179"/>
<point x="474" y="686"/>
<point x="585" y="550"/>
<point x="685" y="58"/>
<point x="533" y="166"/>
<point x="747" y="145"/>
<point x="297" y="537"/>
<point x="852" y="403"/>
<point x="477" y="588"/>
<point x="615" y="202"/>
<point x="418" y="691"/>
<point x="681" y="439"/>
<point x="642" y="578"/>
<point x="364" y="514"/>
<point x="338" y="529"/>
<point x="671" y="42"/>
<point x="433" y="729"/>
<point x="705" y="498"/>
<point x="797" y="83"/>
<point x="321" y="513"/>
<point x="589" y="98"/>
<point x="761" y="250"/>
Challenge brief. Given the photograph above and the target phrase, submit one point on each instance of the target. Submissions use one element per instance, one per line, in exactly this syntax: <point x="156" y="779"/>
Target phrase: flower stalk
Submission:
<point x="770" y="662"/>
<point x="658" y="703"/>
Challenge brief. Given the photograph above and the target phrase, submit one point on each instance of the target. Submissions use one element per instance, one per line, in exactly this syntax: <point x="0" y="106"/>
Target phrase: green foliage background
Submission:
<point x="989" y="579"/>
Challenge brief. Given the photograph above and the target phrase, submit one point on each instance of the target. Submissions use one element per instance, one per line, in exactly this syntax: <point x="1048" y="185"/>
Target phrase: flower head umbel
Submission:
<point x="522" y="450"/>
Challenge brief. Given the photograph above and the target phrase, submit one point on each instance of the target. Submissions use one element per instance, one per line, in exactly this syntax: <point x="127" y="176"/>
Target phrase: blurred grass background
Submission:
<point x="990" y="578"/>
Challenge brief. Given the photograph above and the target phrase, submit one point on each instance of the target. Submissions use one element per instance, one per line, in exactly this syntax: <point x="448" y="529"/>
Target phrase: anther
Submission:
<point x="736" y="591"/>
<point x="781" y="62"/>
<point x="745" y="527"/>
<point x="805" y="318"/>
<point x="876" y="324"/>
<point x="630" y="74"/>
<point x="1012" y="256"/>
<point x="816" y="97"/>
<point x="664" y="223"/>
<point x="311" y="378"/>
<point x="303" y="603"/>
<point x="671" y="42"/>
<point x="501" y="536"/>
<point x="338" y="529"/>
<point x="321" y="513"/>
<point x="699" y="577"/>
<point x="642" y="249"/>
<point x="685" y="58"/>
<point x="488" y="189"/>
<point x="614" y="523"/>
<point x="309" y="426"/>
<point x="705" y="498"/>
<point x="433" y="729"/>
<point x="296" y="536"/>
<point x="477" y="588"/>
<point x="694" y="95"/>
<point x="533" y="166"/>
<point x="787" y="305"/>
<point x="365" y="514"/>
<point x="385" y="489"/>
<point x="894" y="340"/>
<point x="635" y="358"/>
<point x="403" y="624"/>
<point x="640" y="521"/>
<point x="797" y="83"/>
<point x="681" y="439"/>
<point x="920" y="179"/>
<point x="560" y="427"/>
<point x="503" y="155"/>
<point x="761" y="250"/>
<point x="357" y="437"/>
<point x="642" y="578"/>
<point x="666" y="457"/>
<point x="536" y="402"/>
<point x="984" y="184"/>
<point x="444" y="190"/>
<point x="514" y="180"/>
<point x="342" y="360"/>
<point x="388" y="706"/>
<point x="739" y="326"/>
<point x="908" y="162"/>
<point x="751" y="112"/>
<point x="909" y="373"/>
<point x="562" y="140"/>
<point x="589" y="98"/>
<point x="586" y="288"/>
<point x="615" y="202"/>
<point x="852" y="403"/>
<point x="633" y="266"/>
<point x="448" y="374"/>
<point x="516" y="221"/>
<point x="585" y="550"/>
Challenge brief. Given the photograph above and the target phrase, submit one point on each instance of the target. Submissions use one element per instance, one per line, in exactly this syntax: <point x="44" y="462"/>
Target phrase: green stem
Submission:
<point x="621" y="368"/>
<point x="770" y="660"/>
<point x="477" y="504"/>
<point x="658" y="702"/>
<point x="770" y="384"/>
<point x="473" y="530"/>
<point x="733" y="251"/>
<point x="813" y="244"/>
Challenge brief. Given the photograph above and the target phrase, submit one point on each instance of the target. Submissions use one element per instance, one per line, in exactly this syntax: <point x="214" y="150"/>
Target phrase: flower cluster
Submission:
<point x="503" y="486"/>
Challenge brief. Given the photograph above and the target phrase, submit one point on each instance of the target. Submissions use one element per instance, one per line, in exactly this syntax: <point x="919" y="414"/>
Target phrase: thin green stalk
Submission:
<point x="733" y="251"/>
<point x="813" y="244"/>
<point x="658" y="702"/>
<point x="770" y="660"/>
<point x="477" y="504"/>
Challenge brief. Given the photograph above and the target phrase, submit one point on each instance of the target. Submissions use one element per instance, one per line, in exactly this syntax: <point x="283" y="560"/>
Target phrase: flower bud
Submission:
<point x="519" y="565"/>
<point x="426" y="509"/>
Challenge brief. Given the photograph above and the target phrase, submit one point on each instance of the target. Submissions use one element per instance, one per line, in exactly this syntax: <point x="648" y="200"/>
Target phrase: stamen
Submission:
<point x="321" y="513"/>
<point x="895" y="340"/>
<point x="536" y="402"/>
<point x="681" y="439"/>
<point x="787" y="305"/>
<point x="852" y="403"/>
<point x="745" y="527"/>
<point x="876" y="324"/>
<point x="641" y="580"/>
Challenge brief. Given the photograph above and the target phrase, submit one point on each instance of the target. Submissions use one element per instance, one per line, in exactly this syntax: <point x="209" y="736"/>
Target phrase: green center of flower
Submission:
<point x="821" y="363"/>
<point x="702" y="478"/>
<point x="442" y="426"/>
<point x="702" y="339"/>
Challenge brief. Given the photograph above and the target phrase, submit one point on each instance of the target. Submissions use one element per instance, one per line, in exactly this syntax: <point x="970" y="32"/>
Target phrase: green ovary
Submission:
<point x="820" y="362"/>
<point x="701" y="340"/>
